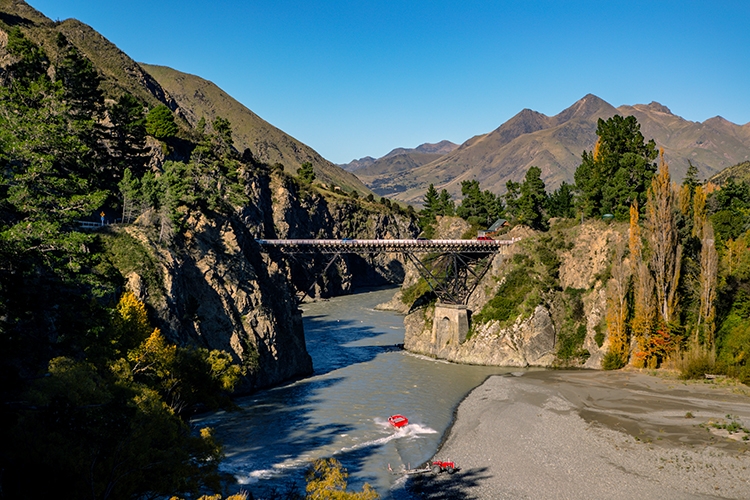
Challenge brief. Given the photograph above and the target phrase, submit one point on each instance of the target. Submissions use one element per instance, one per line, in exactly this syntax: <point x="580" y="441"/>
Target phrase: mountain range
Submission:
<point x="555" y="144"/>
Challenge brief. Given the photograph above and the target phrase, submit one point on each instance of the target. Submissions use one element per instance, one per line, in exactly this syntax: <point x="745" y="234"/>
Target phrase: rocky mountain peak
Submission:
<point x="587" y="108"/>
<point x="658" y="107"/>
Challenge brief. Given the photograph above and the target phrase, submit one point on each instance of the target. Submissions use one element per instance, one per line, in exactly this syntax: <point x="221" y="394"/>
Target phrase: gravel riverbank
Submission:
<point x="595" y="435"/>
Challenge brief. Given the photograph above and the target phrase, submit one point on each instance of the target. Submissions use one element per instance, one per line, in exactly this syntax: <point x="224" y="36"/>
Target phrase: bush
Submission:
<point x="694" y="363"/>
<point x="570" y="344"/>
<point x="160" y="123"/>
<point x="613" y="361"/>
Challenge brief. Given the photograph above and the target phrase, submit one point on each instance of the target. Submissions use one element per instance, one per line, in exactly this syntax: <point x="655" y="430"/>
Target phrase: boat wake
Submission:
<point x="245" y="472"/>
<point x="410" y="431"/>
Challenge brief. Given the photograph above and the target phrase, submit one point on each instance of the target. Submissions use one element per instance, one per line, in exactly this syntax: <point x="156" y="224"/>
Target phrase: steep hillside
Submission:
<point x="739" y="172"/>
<point x="555" y="144"/>
<point x="188" y="96"/>
<point x="120" y="73"/>
<point x="199" y="98"/>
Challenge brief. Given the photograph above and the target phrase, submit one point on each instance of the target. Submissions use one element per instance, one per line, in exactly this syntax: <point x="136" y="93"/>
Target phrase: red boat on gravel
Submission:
<point x="398" y="420"/>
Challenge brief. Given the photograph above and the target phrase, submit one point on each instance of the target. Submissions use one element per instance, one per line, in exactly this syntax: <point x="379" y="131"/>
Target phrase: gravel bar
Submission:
<point x="595" y="435"/>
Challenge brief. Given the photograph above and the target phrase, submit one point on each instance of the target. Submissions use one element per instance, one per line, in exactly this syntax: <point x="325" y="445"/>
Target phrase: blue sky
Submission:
<point x="354" y="78"/>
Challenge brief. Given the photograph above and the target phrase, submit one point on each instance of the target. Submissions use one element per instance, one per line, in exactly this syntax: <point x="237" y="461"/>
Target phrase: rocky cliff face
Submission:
<point x="532" y="339"/>
<point x="302" y="213"/>
<point x="220" y="292"/>
<point x="217" y="289"/>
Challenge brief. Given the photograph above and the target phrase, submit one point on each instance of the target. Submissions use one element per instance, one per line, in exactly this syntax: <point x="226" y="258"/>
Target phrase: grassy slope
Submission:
<point x="123" y="75"/>
<point x="199" y="98"/>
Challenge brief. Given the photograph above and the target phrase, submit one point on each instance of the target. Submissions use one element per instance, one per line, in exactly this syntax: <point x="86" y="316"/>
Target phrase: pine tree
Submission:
<point x="445" y="203"/>
<point x="430" y="204"/>
<point x="127" y="135"/>
<point x="306" y="173"/>
<point x="160" y="123"/>
<point x="532" y="204"/>
<point x="618" y="171"/>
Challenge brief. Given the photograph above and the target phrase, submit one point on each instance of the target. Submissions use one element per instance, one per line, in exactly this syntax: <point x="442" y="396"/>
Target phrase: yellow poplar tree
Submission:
<point x="708" y="284"/>
<point x="617" y="305"/>
<point x="700" y="214"/>
<point x="642" y="323"/>
<point x="326" y="480"/>
<point x="666" y="253"/>
<point x="131" y="325"/>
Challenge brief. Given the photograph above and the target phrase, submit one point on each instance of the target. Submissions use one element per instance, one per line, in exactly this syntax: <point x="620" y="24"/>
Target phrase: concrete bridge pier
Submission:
<point x="450" y="325"/>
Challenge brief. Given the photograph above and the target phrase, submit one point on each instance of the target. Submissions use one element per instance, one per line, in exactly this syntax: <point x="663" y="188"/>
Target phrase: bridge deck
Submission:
<point x="383" y="246"/>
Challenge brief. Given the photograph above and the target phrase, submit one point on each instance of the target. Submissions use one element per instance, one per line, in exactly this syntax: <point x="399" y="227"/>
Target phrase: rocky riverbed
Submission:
<point x="597" y="435"/>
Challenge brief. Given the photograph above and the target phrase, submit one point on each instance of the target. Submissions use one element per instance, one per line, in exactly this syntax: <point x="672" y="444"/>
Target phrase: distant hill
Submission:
<point x="199" y="98"/>
<point x="437" y="149"/>
<point x="378" y="174"/>
<point x="555" y="144"/>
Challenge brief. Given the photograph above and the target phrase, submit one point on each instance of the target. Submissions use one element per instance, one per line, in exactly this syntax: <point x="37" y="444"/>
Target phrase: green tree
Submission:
<point x="446" y="206"/>
<point x="478" y="207"/>
<point x="532" y="204"/>
<point x="160" y="123"/>
<point x="562" y="201"/>
<point x="619" y="170"/>
<point x="32" y="62"/>
<point x="512" y="192"/>
<point x="430" y="204"/>
<point x="80" y="81"/>
<point x="127" y="135"/>
<point x="306" y="173"/>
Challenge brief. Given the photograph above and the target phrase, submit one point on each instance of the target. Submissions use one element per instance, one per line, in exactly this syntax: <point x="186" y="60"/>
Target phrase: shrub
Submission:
<point x="160" y="123"/>
<point x="613" y="361"/>
<point x="514" y="297"/>
<point x="570" y="344"/>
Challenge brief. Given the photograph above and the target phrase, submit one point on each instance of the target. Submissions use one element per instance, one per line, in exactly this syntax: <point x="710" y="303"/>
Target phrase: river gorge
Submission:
<point x="361" y="376"/>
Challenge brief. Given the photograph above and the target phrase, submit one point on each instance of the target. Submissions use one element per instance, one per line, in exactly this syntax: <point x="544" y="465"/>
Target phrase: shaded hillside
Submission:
<point x="199" y="98"/>
<point x="555" y="144"/>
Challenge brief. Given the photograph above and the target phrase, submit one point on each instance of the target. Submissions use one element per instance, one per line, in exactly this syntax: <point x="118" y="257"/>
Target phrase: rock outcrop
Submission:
<point x="219" y="292"/>
<point x="532" y="339"/>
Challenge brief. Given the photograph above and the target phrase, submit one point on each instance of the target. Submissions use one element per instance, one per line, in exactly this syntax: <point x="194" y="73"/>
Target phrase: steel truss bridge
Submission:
<point x="451" y="268"/>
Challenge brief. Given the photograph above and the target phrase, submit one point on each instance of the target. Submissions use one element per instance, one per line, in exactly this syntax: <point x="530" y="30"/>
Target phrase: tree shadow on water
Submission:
<point x="446" y="486"/>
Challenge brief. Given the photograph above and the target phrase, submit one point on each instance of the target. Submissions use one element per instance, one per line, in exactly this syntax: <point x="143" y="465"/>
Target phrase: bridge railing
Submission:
<point x="385" y="245"/>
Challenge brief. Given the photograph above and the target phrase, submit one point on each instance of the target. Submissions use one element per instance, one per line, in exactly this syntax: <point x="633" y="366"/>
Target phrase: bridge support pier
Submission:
<point x="450" y="325"/>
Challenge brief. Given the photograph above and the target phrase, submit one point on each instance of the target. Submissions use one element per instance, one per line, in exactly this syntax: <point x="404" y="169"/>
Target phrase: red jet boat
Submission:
<point x="398" y="420"/>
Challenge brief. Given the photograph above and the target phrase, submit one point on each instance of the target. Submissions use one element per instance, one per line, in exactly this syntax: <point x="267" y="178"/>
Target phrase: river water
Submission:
<point x="361" y="378"/>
